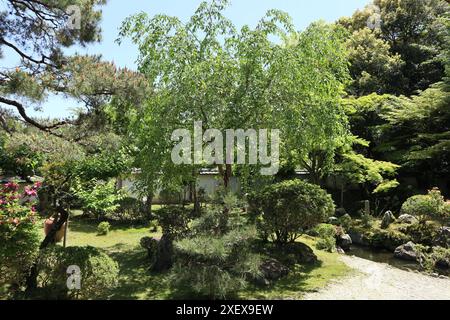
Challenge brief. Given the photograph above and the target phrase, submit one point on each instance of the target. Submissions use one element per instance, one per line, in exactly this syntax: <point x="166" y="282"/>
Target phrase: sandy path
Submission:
<point x="378" y="281"/>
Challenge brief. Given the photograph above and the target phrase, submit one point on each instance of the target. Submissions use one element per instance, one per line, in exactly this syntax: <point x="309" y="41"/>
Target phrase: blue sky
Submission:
<point x="241" y="12"/>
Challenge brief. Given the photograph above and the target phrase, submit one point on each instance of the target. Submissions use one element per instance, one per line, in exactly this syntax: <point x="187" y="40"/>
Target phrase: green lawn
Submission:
<point x="136" y="282"/>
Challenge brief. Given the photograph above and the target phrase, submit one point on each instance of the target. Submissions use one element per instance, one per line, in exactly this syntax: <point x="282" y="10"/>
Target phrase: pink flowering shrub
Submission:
<point x="19" y="238"/>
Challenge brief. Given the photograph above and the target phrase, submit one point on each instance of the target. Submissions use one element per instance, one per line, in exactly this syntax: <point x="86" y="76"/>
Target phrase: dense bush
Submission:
<point x="98" y="198"/>
<point x="99" y="273"/>
<point x="129" y="210"/>
<point x="174" y="220"/>
<point x="215" y="265"/>
<point x="434" y="259"/>
<point x="290" y="208"/>
<point x="19" y="237"/>
<point x="103" y="228"/>
<point x="427" y="207"/>
<point x="345" y="221"/>
<point x="367" y="220"/>
<point x="421" y="233"/>
<point x="327" y="237"/>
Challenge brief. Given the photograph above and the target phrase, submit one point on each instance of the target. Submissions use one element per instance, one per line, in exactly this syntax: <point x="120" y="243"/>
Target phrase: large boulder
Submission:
<point x="406" y="252"/>
<point x="300" y="252"/>
<point x="443" y="238"/>
<point x="344" y="241"/>
<point x="272" y="270"/>
<point x="388" y="219"/>
<point x="359" y="238"/>
<point x="407" y="219"/>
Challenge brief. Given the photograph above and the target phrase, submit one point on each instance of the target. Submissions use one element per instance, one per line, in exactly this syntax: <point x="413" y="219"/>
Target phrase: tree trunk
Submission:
<point x="31" y="281"/>
<point x="148" y="206"/>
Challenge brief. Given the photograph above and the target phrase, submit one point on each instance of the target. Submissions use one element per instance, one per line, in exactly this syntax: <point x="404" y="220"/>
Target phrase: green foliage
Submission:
<point x="367" y="220"/>
<point x="346" y="221"/>
<point x="99" y="273"/>
<point x="373" y="66"/>
<point x="403" y="54"/>
<point x="37" y="35"/>
<point x="19" y="236"/>
<point x="215" y="266"/>
<point x="262" y="77"/>
<point x="97" y="197"/>
<point x="290" y="208"/>
<point x="327" y="237"/>
<point x="129" y="210"/>
<point x="174" y="220"/>
<point x="427" y="207"/>
<point x="421" y="233"/>
<point x="433" y="259"/>
<point x="103" y="228"/>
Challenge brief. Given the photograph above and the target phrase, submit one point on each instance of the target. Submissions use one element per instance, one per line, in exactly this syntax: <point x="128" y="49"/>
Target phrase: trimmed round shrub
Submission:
<point x="427" y="207"/>
<point x="290" y="208"/>
<point x="103" y="228"/>
<point x="99" y="273"/>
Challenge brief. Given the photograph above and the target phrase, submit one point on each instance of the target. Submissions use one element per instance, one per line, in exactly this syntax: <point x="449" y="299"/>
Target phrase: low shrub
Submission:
<point x="99" y="273"/>
<point x="434" y="259"/>
<point x="367" y="220"/>
<point x="97" y="197"/>
<point x="345" y="221"/>
<point x="387" y="239"/>
<point x="212" y="264"/>
<point x="103" y="228"/>
<point x="129" y="210"/>
<point x="327" y="237"/>
<point x="424" y="233"/>
<point x="427" y="207"/>
<point x="290" y="208"/>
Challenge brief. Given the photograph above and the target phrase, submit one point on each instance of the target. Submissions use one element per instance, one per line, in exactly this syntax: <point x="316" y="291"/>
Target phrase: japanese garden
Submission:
<point x="231" y="158"/>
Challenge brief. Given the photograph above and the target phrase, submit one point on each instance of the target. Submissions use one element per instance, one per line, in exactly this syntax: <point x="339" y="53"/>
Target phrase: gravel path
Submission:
<point x="378" y="281"/>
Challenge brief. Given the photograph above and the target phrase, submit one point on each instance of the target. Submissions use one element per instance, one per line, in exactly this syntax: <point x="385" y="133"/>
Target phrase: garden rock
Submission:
<point x="164" y="254"/>
<point x="407" y="219"/>
<point x="344" y="241"/>
<point x="333" y="220"/>
<point x="340" y="212"/>
<point x="406" y="252"/>
<point x="151" y="245"/>
<point x="443" y="238"/>
<point x="388" y="219"/>
<point x="301" y="252"/>
<point x="272" y="270"/>
<point x="340" y="250"/>
<point x="359" y="238"/>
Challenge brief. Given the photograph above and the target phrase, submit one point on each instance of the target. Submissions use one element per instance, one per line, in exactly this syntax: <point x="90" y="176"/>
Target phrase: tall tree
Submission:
<point x="267" y="77"/>
<point x="34" y="35"/>
<point x="414" y="31"/>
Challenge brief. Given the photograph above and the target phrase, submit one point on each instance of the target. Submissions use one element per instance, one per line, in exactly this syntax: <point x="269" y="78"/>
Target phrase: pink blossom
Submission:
<point x="30" y="192"/>
<point x="12" y="186"/>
